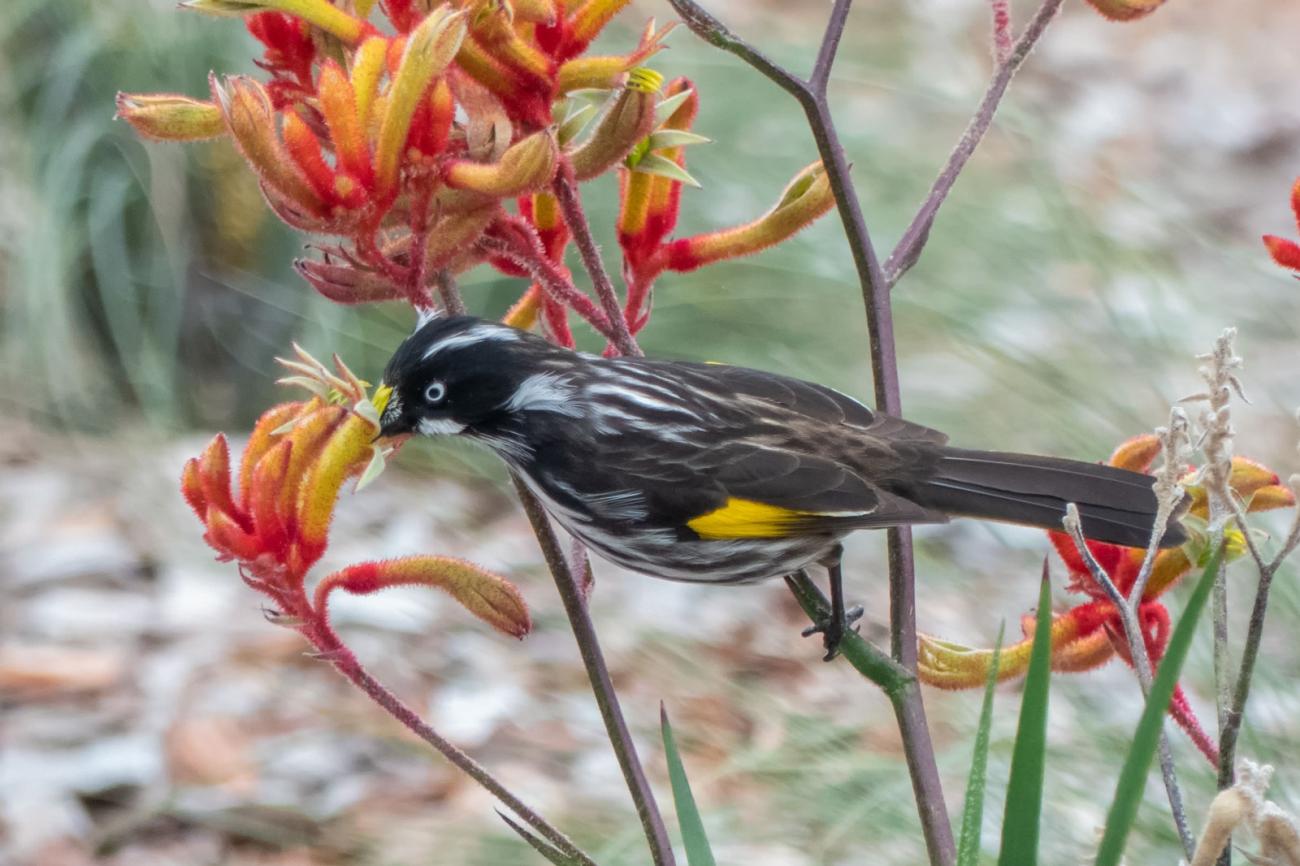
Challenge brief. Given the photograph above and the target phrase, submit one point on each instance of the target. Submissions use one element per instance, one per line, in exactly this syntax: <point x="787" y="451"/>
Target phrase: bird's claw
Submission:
<point x="833" y="630"/>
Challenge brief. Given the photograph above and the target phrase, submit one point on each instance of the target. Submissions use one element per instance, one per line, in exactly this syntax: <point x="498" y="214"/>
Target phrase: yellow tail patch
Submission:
<point x="745" y="518"/>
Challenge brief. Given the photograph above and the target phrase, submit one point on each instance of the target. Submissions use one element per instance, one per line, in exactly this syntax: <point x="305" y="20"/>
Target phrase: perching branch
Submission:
<point x="573" y="595"/>
<point x="811" y="94"/>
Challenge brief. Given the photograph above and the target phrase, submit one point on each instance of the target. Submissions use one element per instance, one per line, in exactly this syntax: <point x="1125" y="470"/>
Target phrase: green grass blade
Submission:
<point x="972" y="815"/>
<point x="698" y="852"/>
<point x="1020" y="821"/>
<point x="1133" y="777"/>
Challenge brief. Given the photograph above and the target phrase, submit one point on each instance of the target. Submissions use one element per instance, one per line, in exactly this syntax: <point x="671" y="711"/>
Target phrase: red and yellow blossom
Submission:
<point x="272" y="515"/>
<point x="1092" y="633"/>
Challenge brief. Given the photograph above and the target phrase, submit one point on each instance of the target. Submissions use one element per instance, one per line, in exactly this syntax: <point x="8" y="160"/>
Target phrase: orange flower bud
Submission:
<point x="305" y="148"/>
<point x="527" y="165"/>
<point x="807" y="197"/>
<point x="246" y="109"/>
<point x="1125" y="10"/>
<point x="339" y="106"/>
<point x="586" y="21"/>
<point x="490" y="597"/>
<point x="630" y="119"/>
<point x="523" y="315"/>
<point x="264" y="493"/>
<point x="429" y="49"/>
<point x="214" y="474"/>
<point x="263" y="439"/>
<point x="320" y="13"/>
<point x="170" y="116"/>
<point x="1136" y="454"/>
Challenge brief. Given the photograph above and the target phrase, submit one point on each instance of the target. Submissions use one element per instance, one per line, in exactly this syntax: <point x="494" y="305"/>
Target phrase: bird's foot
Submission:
<point x="832" y="630"/>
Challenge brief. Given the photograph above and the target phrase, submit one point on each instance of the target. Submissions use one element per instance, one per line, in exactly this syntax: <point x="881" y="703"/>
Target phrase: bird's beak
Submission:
<point x="392" y="421"/>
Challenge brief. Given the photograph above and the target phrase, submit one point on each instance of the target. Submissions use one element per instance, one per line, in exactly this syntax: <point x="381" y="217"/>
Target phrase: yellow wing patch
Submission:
<point x="745" y="518"/>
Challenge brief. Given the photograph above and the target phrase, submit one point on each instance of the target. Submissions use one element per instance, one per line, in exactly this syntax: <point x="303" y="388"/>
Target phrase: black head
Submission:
<point x="460" y="373"/>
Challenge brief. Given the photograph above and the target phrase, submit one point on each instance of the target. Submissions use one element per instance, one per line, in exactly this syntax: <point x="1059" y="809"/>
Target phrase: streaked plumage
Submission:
<point x="705" y="472"/>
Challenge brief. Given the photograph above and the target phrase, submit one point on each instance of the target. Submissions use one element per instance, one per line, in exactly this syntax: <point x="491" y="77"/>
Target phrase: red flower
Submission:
<point x="1287" y="253"/>
<point x="1091" y="633"/>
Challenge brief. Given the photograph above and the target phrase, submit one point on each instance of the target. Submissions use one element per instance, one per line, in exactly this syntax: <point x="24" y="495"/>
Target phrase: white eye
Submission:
<point x="434" y="393"/>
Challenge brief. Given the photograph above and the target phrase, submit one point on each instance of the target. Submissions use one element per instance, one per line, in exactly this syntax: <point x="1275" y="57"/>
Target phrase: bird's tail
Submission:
<point x="1115" y="505"/>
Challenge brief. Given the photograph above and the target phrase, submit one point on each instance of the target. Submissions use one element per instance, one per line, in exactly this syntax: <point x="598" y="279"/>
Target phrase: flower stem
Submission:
<point x="811" y="96"/>
<point x="909" y="246"/>
<point x="566" y="193"/>
<point x="346" y="663"/>
<point x="575" y="606"/>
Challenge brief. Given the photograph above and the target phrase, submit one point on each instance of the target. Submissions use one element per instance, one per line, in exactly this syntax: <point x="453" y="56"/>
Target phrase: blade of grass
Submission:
<point x="1024" y="809"/>
<point x="1133" y="776"/>
<point x="698" y="852"/>
<point x="972" y="815"/>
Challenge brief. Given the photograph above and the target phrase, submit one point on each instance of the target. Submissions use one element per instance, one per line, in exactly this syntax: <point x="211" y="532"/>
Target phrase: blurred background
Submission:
<point x="1105" y="233"/>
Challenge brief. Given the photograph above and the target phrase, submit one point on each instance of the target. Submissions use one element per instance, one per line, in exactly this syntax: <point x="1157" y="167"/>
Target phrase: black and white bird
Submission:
<point x="719" y="474"/>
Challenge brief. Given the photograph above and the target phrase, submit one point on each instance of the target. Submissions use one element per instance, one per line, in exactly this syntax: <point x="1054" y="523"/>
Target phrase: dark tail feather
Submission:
<point x="1116" y="505"/>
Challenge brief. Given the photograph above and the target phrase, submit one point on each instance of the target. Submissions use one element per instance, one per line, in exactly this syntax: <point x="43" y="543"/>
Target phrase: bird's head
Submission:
<point x="460" y="373"/>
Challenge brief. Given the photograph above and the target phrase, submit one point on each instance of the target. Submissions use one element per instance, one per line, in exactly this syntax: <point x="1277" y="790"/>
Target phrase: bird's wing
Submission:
<point x="807" y="398"/>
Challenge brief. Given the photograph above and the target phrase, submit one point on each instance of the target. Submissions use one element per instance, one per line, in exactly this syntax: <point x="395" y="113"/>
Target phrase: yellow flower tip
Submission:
<point x="644" y="80"/>
<point x="170" y="117"/>
<point x="527" y="166"/>
<point x="488" y="596"/>
<point x="380" y="399"/>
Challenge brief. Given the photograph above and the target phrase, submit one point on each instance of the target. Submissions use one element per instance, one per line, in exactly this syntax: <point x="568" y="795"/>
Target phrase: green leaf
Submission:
<point x="1024" y="809"/>
<point x="664" y="138"/>
<point x="665" y="109"/>
<point x="1133" y="777"/>
<point x="698" y="852"/>
<point x="972" y="815"/>
<point x="653" y="163"/>
<point x="541" y="846"/>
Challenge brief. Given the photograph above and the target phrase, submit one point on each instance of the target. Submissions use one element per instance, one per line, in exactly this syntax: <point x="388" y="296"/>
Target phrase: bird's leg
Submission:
<point x="832" y="628"/>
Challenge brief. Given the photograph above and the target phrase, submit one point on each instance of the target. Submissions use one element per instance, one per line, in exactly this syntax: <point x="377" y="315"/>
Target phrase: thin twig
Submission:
<point x="1141" y="660"/>
<point x="575" y="606"/>
<point x="346" y="663"/>
<point x="909" y="246"/>
<point x="1236" y="714"/>
<point x="547" y="275"/>
<point x="811" y="96"/>
<point x="448" y="292"/>
<point x="566" y="193"/>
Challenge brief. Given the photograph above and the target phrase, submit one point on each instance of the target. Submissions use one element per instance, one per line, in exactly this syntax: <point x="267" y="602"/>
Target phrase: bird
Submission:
<point x="722" y="474"/>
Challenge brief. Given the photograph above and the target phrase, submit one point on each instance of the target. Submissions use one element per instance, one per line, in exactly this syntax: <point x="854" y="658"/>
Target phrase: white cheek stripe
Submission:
<point x="477" y="334"/>
<point x="439" y="427"/>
